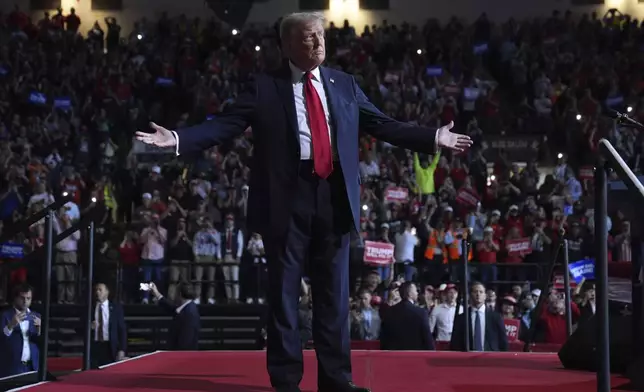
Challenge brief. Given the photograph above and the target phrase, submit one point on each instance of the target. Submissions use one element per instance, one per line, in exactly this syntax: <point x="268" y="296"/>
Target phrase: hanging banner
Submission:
<point x="516" y="148"/>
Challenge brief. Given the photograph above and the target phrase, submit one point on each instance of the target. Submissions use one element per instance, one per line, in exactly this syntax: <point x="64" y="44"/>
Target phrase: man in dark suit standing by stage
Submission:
<point x="305" y="190"/>
<point x="109" y="336"/>
<point x="405" y="326"/>
<point x="487" y="330"/>
<point x="186" y="322"/>
<point x="20" y="327"/>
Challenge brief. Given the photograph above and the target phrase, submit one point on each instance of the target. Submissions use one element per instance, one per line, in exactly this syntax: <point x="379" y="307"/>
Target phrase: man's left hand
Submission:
<point x="453" y="141"/>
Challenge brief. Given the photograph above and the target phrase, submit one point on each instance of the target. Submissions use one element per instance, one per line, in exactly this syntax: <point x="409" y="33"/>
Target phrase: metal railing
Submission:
<point x="609" y="159"/>
<point x="48" y="251"/>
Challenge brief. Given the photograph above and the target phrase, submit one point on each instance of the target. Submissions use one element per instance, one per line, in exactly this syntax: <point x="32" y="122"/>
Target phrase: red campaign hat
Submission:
<point x="451" y="286"/>
<point x="230" y="217"/>
<point x="510" y="299"/>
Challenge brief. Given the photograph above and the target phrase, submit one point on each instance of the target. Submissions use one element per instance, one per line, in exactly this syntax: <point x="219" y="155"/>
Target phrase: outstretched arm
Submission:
<point x="234" y="120"/>
<point x="411" y="137"/>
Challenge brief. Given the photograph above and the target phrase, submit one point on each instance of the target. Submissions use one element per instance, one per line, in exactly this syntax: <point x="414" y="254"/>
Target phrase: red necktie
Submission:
<point x="322" y="157"/>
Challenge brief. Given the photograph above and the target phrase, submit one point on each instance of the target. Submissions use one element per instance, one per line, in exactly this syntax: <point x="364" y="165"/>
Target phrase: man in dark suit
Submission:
<point x="487" y="330"/>
<point x="109" y="336"/>
<point x="20" y="327"/>
<point x="183" y="334"/>
<point x="405" y="326"/>
<point x="305" y="190"/>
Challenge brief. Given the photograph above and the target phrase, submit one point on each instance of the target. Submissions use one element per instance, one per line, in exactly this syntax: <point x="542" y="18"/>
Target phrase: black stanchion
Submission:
<point x="567" y="298"/>
<point x="87" y="352"/>
<point x="43" y="374"/>
<point x="601" y="243"/>
<point x="466" y="291"/>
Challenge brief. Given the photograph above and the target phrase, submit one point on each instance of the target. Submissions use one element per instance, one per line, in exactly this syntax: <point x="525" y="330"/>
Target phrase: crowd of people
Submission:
<point x="70" y="104"/>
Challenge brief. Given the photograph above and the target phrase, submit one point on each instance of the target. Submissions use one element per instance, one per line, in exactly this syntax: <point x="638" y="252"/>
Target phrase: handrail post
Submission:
<point x="466" y="292"/>
<point x="601" y="243"/>
<point x="87" y="352"/>
<point x="567" y="298"/>
<point x="46" y="314"/>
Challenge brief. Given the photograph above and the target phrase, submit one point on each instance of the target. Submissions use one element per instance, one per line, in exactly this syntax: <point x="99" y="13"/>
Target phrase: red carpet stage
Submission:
<point x="244" y="371"/>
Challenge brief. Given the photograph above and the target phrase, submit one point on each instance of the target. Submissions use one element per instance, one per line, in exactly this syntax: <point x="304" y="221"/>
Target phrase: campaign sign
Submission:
<point x="11" y="251"/>
<point x="396" y="194"/>
<point x="558" y="283"/>
<point x="512" y="329"/>
<point x="378" y="253"/>
<point x="582" y="269"/>
<point x="467" y="198"/>
<point x="519" y="246"/>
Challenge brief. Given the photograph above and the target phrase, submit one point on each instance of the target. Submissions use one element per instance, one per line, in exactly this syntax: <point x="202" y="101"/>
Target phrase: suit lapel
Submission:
<point x="284" y="86"/>
<point x="332" y="95"/>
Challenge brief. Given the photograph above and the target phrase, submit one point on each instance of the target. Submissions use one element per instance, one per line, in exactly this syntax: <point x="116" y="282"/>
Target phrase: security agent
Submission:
<point x="109" y="334"/>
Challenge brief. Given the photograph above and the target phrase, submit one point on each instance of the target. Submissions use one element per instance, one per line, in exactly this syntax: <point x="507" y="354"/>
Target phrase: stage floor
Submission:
<point x="244" y="371"/>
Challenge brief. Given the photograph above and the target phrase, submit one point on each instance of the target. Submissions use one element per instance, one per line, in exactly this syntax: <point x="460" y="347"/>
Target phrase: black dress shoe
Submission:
<point x="350" y="387"/>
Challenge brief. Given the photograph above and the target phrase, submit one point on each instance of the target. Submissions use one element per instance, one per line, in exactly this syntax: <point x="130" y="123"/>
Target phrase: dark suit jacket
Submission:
<point x="585" y="313"/>
<point x="11" y="346"/>
<point x="405" y="327"/>
<point x="495" y="337"/>
<point x="267" y="105"/>
<point x="183" y="334"/>
<point x="117" y="329"/>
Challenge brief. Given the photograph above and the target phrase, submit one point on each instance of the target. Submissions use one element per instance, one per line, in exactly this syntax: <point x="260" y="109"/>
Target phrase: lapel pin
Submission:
<point x="331" y="80"/>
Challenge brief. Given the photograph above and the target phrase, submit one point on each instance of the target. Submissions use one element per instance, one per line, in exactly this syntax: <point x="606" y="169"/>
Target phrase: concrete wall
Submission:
<point x="415" y="11"/>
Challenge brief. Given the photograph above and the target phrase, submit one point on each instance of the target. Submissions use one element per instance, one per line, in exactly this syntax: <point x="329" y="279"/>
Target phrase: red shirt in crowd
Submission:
<point x="440" y="174"/>
<point x="130" y="253"/>
<point x="458" y="176"/>
<point x="554" y="325"/>
<point x="486" y="256"/>
<point x="74" y="188"/>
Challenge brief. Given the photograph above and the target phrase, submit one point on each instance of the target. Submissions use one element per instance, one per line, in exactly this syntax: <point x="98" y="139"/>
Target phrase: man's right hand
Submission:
<point x="161" y="137"/>
<point x="17" y="319"/>
<point x="154" y="290"/>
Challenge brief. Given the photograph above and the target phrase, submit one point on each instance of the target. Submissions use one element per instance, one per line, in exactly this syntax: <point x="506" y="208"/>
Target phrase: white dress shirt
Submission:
<point x="24" y="329"/>
<point x="442" y="320"/>
<point x="481" y="313"/>
<point x="104" y="308"/>
<point x="304" y="130"/>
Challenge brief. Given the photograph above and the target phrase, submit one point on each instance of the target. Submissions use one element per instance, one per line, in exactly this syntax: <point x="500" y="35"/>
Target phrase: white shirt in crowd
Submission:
<point x="153" y="241"/>
<point x="371" y="169"/>
<point x="442" y="321"/>
<point x="226" y="243"/>
<point x="45" y="197"/>
<point x="255" y="247"/>
<point x="69" y="243"/>
<point x="481" y="313"/>
<point x="104" y="308"/>
<point x="24" y="329"/>
<point x="405" y="244"/>
<point x="206" y="243"/>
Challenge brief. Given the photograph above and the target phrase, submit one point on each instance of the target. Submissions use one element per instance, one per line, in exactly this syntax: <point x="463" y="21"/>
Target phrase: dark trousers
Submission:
<point x="101" y="354"/>
<point x="318" y="234"/>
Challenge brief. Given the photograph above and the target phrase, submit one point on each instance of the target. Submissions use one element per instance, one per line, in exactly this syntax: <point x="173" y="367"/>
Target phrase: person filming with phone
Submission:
<point x="186" y="322"/>
<point x="20" y="327"/>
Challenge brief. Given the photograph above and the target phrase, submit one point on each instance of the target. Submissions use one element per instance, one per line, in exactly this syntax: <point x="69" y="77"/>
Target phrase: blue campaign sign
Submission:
<point x="582" y="269"/>
<point x="12" y="251"/>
